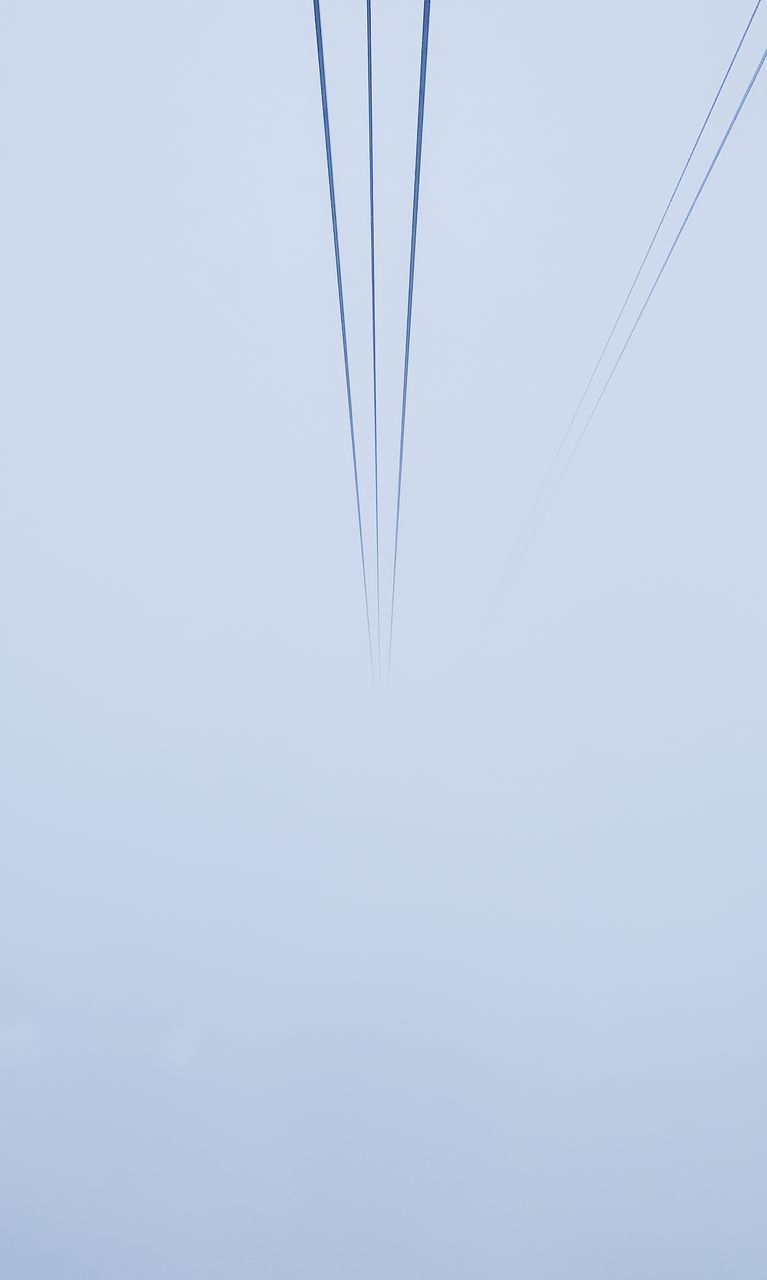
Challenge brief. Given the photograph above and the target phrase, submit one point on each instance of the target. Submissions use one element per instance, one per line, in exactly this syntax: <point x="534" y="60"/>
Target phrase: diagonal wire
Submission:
<point x="648" y="251"/>
<point x="413" y="238"/>
<point x="373" y="306"/>
<point x="334" y="218"/>
<point x="666" y="261"/>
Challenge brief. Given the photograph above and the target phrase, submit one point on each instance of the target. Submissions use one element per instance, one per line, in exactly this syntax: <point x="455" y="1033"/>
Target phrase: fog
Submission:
<point x="302" y="977"/>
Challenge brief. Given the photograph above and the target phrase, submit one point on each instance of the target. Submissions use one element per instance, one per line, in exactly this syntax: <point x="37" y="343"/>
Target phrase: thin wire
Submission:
<point x="649" y="250"/>
<point x="334" y="218"/>
<point x="413" y="238"/>
<point x="666" y="260"/>
<point x="373" y="307"/>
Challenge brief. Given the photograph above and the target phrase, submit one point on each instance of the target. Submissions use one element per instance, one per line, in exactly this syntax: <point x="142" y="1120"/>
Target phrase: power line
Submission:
<point x="334" y="219"/>
<point x="413" y="238"/>
<point x="373" y="308"/>
<point x="648" y="251"/>
<point x="666" y="261"/>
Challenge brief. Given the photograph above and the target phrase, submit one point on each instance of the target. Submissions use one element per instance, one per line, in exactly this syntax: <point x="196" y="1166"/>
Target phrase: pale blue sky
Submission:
<point x="293" y="984"/>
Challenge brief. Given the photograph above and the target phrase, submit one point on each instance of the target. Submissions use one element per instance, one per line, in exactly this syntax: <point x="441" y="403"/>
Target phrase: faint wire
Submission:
<point x="413" y="238"/>
<point x="666" y="260"/>
<point x="334" y="218"/>
<point x="649" y="250"/>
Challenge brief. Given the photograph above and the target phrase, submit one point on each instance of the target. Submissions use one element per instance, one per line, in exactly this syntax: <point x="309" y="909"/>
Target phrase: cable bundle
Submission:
<point x="375" y="668"/>
<point x="584" y="412"/>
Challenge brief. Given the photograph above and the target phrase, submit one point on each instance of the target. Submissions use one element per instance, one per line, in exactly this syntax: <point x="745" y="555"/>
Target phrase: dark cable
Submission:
<point x="413" y="237"/>
<point x="373" y="306"/>
<point x="334" y="218"/>
<point x="649" y="250"/>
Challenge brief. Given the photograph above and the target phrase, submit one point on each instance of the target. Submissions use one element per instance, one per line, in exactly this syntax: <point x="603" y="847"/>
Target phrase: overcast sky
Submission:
<point x="298" y="982"/>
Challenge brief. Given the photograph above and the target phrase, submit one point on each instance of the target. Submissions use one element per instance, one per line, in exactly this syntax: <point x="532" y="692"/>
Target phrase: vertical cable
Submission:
<point x="334" y="219"/>
<point x="373" y="306"/>
<point x="413" y="238"/>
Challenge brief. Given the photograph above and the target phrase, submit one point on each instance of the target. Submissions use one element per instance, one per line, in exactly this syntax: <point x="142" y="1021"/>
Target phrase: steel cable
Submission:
<point x="339" y="278"/>
<point x="408" y="327"/>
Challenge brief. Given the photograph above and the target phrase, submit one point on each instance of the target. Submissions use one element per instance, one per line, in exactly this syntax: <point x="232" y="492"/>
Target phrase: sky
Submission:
<point x="301" y="978"/>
